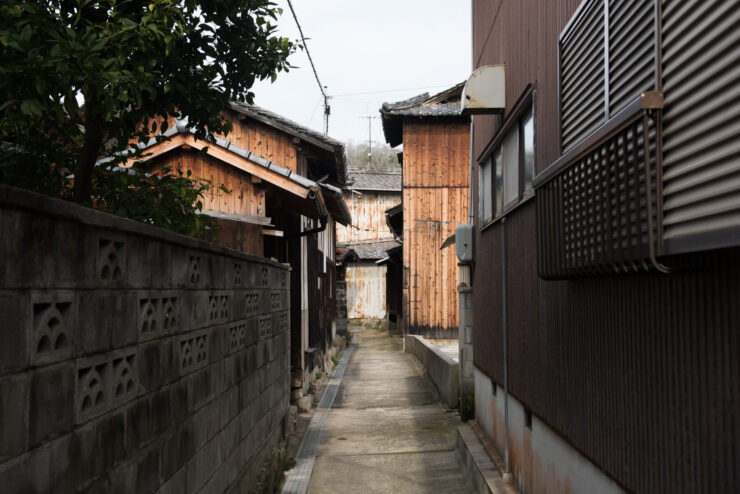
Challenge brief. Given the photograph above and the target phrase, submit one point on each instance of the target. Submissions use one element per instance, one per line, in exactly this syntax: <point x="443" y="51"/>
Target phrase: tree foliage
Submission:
<point x="359" y="155"/>
<point x="79" y="77"/>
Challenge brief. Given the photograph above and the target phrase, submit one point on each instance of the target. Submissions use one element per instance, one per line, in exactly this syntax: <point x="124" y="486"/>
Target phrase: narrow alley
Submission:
<point x="386" y="431"/>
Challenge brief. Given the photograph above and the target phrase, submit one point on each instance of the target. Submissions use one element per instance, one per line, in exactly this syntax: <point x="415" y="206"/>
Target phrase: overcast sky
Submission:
<point x="407" y="46"/>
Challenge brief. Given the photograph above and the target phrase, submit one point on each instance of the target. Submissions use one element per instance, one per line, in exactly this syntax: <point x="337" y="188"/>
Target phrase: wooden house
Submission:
<point x="370" y="191"/>
<point x="284" y="203"/>
<point x="607" y="254"/>
<point x="436" y="154"/>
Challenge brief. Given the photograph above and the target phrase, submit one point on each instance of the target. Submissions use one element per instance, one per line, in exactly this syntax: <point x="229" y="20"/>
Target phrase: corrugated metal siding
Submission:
<point x="639" y="373"/>
<point x="582" y="76"/>
<point x="366" y="291"/>
<point x="631" y="51"/>
<point x="701" y="80"/>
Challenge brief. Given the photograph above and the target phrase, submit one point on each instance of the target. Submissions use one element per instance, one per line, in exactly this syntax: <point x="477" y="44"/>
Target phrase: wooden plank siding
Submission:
<point x="435" y="198"/>
<point x="262" y="140"/>
<point x="368" y="216"/>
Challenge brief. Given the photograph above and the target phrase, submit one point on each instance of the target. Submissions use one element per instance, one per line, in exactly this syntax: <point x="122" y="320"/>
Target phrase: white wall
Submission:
<point x="540" y="460"/>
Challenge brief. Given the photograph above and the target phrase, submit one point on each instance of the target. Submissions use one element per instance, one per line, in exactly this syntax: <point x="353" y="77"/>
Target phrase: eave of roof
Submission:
<point x="178" y="134"/>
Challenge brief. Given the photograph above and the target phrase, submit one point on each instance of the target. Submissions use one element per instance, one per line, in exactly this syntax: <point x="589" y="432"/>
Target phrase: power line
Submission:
<point x="393" y="90"/>
<point x="322" y="88"/>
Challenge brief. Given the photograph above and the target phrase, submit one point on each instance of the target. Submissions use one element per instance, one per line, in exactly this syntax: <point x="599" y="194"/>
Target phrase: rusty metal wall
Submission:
<point x="638" y="373"/>
<point x="366" y="290"/>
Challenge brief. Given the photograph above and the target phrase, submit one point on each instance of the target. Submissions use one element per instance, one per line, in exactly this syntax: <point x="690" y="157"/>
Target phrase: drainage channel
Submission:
<point x="297" y="479"/>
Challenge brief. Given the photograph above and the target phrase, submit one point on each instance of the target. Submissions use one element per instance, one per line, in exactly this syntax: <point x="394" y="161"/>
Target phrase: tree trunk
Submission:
<point x="86" y="161"/>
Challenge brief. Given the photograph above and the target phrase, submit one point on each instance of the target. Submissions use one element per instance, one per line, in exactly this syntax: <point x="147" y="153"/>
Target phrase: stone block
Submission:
<point x="51" y="404"/>
<point x="149" y="263"/>
<point x="138" y="425"/>
<point x="195" y="310"/>
<point x="192" y="351"/>
<point x="27" y="240"/>
<point x="27" y="474"/>
<point x="169" y="355"/>
<point x="74" y="255"/>
<point x="72" y="460"/>
<point x="160" y="410"/>
<point x="199" y="388"/>
<point x="186" y="433"/>
<point x="16" y="323"/>
<point x="220" y="379"/>
<point x="147" y="471"/>
<point x="170" y="455"/>
<point x="123" y="478"/>
<point x="13" y="410"/>
<point x="180" y="400"/>
<point x="98" y="487"/>
<point x="202" y="466"/>
<point x="216" y="340"/>
<point x="149" y="360"/>
<point x="102" y="312"/>
<point x="176" y="484"/>
<point x="109" y="442"/>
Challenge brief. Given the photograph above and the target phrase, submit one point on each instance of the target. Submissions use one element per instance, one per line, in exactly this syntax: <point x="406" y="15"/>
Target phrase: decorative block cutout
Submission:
<point x="252" y="303"/>
<point x="213" y="308"/>
<point x="125" y="377"/>
<point x="111" y="259"/>
<point x="193" y="352"/>
<point x="92" y="392"/>
<point x="104" y="382"/>
<point x="194" y="270"/>
<point x="283" y="279"/>
<point x="275" y="302"/>
<point x="264" y="276"/>
<point x="283" y="322"/>
<point x="225" y="305"/>
<point x="149" y="316"/>
<point x="169" y="313"/>
<point x="219" y="308"/>
<point x="237" y="336"/>
<point x="265" y="327"/>
<point x="237" y="274"/>
<point x="52" y="330"/>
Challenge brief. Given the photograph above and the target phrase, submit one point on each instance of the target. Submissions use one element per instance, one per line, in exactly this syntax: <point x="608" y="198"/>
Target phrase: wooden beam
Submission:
<point x="227" y="157"/>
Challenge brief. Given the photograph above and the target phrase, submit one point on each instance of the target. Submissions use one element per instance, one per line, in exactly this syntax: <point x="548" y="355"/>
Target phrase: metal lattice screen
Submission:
<point x="593" y="216"/>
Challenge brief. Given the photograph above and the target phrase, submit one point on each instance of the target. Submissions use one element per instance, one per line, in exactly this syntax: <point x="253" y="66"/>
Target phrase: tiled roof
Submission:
<point x="383" y="179"/>
<point x="444" y="104"/>
<point x="369" y="249"/>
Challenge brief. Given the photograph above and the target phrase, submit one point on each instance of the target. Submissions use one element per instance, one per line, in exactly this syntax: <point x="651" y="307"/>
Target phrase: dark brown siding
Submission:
<point x="641" y="374"/>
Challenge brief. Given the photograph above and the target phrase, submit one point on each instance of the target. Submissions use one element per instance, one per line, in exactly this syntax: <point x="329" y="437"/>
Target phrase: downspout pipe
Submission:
<point x="322" y="226"/>
<point x="506" y="355"/>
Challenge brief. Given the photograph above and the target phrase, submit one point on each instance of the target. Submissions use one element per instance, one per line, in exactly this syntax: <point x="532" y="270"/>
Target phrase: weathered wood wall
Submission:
<point x="246" y="198"/>
<point x="368" y="216"/>
<point x="262" y="140"/>
<point x="435" y="198"/>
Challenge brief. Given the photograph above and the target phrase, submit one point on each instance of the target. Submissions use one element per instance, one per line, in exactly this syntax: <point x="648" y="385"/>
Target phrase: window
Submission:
<point x="484" y="190"/>
<point x="507" y="168"/>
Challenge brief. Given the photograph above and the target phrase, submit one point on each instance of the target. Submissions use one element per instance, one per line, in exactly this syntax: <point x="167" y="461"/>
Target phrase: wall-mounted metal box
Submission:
<point x="464" y="235"/>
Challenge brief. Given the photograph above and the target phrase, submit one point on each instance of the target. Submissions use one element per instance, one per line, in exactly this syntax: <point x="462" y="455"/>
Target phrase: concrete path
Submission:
<point x="386" y="432"/>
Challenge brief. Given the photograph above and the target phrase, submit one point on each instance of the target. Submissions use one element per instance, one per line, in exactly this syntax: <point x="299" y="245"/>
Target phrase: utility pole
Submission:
<point x="327" y="111"/>
<point x="369" y="140"/>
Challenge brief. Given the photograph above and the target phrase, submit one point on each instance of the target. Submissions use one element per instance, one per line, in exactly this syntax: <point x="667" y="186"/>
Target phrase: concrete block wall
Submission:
<point x="134" y="359"/>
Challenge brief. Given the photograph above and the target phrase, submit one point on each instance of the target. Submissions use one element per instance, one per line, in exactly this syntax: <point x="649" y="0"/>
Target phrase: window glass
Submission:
<point x="499" y="193"/>
<point x="484" y="190"/>
<point x="511" y="165"/>
<point x="528" y="146"/>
